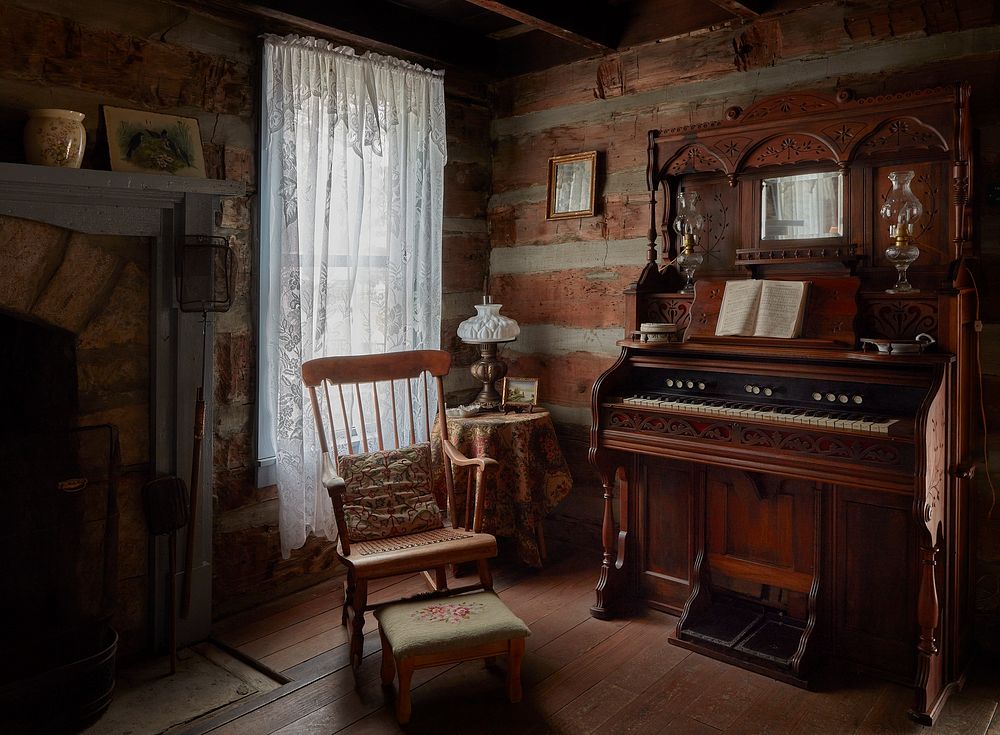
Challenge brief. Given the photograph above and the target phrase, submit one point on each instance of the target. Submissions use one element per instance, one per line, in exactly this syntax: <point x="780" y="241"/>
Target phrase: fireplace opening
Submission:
<point x="58" y="536"/>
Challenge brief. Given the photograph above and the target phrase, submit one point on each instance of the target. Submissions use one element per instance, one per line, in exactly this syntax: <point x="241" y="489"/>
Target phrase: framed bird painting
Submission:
<point x="150" y="142"/>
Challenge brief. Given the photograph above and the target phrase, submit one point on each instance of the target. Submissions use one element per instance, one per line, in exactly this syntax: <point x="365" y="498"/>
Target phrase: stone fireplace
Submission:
<point x="87" y="258"/>
<point x="76" y="321"/>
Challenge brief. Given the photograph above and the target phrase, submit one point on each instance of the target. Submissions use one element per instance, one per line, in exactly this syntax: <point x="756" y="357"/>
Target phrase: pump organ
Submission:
<point x="797" y="501"/>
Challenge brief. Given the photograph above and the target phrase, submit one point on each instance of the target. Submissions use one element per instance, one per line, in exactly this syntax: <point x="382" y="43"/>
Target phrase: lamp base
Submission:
<point x="488" y="369"/>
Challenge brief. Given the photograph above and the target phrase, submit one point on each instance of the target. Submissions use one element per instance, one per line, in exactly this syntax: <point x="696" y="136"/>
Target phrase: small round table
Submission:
<point x="533" y="475"/>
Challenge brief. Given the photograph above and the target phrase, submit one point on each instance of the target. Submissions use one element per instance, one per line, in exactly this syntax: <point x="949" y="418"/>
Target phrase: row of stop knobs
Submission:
<point x="817" y="396"/>
<point x="838" y="398"/>
<point x="682" y="383"/>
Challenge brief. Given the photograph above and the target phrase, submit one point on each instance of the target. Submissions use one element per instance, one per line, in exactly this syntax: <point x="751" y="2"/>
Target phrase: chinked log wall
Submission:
<point x="160" y="57"/>
<point x="563" y="280"/>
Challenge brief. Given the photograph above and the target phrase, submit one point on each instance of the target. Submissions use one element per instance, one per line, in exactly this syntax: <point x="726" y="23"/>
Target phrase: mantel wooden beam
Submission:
<point x="749" y="9"/>
<point x="541" y="16"/>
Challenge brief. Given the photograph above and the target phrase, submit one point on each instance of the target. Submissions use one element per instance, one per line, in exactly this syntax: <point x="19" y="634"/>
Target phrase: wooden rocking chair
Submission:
<point x="388" y="522"/>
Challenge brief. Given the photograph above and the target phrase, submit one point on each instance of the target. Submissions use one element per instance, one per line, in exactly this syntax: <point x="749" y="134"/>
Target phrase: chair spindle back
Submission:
<point x="367" y="424"/>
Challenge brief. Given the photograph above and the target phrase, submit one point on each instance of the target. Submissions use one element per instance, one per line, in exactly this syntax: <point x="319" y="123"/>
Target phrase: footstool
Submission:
<point x="445" y="630"/>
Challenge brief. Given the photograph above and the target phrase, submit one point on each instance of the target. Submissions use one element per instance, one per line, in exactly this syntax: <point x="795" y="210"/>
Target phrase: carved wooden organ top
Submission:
<point x="784" y="456"/>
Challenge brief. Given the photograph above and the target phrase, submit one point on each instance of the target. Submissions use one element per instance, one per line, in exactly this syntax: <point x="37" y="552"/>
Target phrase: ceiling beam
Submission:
<point x="744" y="9"/>
<point x="380" y="26"/>
<point x="541" y="16"/>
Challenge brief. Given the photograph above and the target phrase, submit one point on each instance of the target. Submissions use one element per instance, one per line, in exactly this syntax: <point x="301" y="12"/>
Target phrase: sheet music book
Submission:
<point x="762" y="309"/>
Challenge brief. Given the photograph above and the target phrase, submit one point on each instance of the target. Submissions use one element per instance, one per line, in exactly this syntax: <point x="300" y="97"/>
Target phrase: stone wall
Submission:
<point x="563" y="280"/>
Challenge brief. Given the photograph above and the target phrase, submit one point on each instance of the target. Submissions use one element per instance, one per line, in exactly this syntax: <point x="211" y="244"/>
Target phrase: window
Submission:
<point x="352" y="178"/>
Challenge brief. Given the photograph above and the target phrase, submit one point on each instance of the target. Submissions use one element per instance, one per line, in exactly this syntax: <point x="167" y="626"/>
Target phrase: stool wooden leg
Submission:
<point x="358" y="623"/>
<point x="388" y="662"/>
<point x="441" y="578"/>
<point x="514" y="657"/>
<point x="485" y="577"/>
<point x="403" y="705"/>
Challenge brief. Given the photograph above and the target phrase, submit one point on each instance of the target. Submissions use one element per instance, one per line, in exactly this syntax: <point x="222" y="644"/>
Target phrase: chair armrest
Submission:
<point x="461" y="460"/>
<point x="333" y="482"/>
<point x="480" y="464"/>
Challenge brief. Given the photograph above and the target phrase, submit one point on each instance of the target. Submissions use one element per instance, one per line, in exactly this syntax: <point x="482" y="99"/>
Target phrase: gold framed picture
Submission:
<point x="153" y="143"/>
<point x="519" y="392"/>
<point x="571" y="185"/>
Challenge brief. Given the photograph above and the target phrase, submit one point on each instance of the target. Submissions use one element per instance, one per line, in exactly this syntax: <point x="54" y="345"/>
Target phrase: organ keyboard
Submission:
<point x="837" y="420"/>
<point x="715" y="404"/>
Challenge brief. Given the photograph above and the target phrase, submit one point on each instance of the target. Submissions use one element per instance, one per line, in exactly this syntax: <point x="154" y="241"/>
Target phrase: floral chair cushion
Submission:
<point x="389" y="493"/>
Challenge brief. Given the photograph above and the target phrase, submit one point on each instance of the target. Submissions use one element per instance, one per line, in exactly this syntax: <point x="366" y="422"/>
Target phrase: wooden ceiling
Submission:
<point x="500" y="38"/>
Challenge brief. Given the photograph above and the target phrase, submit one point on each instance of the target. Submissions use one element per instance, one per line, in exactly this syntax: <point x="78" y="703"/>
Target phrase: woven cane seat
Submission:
<point x="419" y="551"/>
<point x="411" y="541"/>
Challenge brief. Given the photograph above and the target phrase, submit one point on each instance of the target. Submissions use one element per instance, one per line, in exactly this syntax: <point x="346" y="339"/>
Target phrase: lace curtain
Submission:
<point x="352" y="159"/>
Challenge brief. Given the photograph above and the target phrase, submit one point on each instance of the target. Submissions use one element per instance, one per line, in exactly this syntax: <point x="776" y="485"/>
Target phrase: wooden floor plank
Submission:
<point x="728" y="696"/>
<point x="234" y="628"/>
<point x="841" y="708"/>
<point x="630" y="679"/>
<point x="652" y="662"/>
<point x="658" y="705"/>
<point x="367" y="696"/>
<point x="775" y="713"/>
<point x="593" y="666"/>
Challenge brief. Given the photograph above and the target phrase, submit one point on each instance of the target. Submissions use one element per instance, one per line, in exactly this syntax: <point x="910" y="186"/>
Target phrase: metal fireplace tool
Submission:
<point x="205" y="279"/>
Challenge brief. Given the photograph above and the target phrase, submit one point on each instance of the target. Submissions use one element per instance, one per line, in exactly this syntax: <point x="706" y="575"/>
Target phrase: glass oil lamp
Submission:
<point x="486" y="330"/>
<point x="688" y="224"/>
<point x="901" y="211"/>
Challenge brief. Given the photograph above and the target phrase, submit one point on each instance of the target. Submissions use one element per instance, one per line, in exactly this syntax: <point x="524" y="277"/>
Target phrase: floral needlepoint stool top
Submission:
<point x="447" y="612"/>
<point x="430" y="626"/>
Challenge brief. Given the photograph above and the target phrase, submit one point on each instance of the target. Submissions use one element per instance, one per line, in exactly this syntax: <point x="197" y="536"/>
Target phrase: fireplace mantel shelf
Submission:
<point x="23" y="181"/>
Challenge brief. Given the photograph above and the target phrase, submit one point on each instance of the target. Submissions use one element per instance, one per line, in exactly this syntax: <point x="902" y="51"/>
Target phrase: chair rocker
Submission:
<point x="388" y="520"/>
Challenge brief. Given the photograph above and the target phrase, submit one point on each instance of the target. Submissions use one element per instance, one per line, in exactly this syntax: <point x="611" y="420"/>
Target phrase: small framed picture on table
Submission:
<point x="519" y="394"/>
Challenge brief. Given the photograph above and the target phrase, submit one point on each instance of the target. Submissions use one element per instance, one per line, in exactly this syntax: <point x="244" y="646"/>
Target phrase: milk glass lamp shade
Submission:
<point x="688" y="224"/>
<point x="488" y="325"/>
<point x="487" y="328"/>
<point x="901" y="210"/>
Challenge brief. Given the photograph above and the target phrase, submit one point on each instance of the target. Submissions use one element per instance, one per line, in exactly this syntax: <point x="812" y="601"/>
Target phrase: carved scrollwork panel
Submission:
<point x="900" y="134"/>
<point x="732" y="147"/>
<point x="670" y="310"/>
<point x="860" y="450"/>
<point x="694" y="159"/>
<point x="790" y="148"/>
<point x="790" y="104"/>
<point x="669" y="425"/>
<point x="820" y="445"/>
<point x="892" y="317"/>
<point x="844" y="134"/>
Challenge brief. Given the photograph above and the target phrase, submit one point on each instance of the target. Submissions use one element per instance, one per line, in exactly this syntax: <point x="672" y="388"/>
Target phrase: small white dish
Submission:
<point x="462" y="412"/>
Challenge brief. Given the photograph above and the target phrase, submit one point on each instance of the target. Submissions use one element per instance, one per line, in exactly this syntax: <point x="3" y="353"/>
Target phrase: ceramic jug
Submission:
<point x="55" y="138"/>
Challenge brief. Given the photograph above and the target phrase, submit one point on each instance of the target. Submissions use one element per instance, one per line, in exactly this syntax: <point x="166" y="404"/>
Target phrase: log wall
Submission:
<point x="562" y="280"/>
